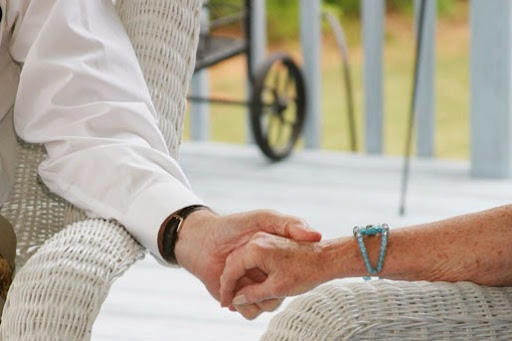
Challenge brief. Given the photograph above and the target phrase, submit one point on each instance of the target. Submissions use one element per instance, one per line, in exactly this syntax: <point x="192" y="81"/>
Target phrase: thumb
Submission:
<point x="252" y="294"/>
<point x="303" y="232"/>
<point x="285" y="226"/>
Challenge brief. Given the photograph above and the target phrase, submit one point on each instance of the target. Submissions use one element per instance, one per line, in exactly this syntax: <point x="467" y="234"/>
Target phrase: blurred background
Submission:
<point x="451" y="81"/>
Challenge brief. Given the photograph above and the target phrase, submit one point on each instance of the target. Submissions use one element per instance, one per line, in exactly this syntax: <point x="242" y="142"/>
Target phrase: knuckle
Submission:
<point x="278" y="288"/>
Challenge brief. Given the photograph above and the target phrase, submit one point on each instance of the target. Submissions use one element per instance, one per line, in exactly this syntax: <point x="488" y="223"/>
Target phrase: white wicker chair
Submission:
<point x="64" y="274"/>
<point x="387" y="310"/>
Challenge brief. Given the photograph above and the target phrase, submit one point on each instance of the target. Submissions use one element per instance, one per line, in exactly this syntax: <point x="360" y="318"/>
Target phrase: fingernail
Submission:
<point x="239" y="300"/>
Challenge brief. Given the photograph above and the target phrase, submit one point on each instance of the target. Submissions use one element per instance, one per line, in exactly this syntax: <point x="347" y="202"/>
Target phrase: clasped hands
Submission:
<point x="250" y="261"/>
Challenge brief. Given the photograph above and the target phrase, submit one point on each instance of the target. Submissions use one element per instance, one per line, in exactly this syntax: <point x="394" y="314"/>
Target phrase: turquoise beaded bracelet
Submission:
<point x="370" y="230"/>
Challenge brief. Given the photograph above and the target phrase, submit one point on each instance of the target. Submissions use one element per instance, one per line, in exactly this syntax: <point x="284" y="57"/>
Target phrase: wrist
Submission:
<point x="191" y="238"/>
<point x="341" y="258"/>
<point x="169" y="231"/>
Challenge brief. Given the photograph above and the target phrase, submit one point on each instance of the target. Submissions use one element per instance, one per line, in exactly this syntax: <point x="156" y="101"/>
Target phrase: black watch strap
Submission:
<point x="171" y="229"/>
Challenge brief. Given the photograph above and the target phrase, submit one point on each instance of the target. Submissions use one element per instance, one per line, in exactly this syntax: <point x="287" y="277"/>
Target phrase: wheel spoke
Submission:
<point x="280" y="132"/>
<point x="290" y="115"/>
<point x="270" y="129"/>
<point x="266" y="119"/>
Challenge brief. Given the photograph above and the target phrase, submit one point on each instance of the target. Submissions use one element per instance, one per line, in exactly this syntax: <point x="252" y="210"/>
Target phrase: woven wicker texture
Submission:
<point x="35" y="213"/>
<point x="385" y="310"/>
<point x="58" y="293"/>
<point x="60" y="287"/>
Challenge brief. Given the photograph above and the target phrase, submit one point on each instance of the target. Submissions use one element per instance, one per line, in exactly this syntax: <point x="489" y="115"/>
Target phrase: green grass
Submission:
<point x="451" y="87"/>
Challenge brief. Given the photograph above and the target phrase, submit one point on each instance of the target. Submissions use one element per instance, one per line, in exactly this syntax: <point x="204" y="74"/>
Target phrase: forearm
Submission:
<point x="96" y="118"/>
<point x="475" y="247"/>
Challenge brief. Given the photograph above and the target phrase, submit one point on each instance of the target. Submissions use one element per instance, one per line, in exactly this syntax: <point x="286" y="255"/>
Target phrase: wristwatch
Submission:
<point x="171" y="228"/>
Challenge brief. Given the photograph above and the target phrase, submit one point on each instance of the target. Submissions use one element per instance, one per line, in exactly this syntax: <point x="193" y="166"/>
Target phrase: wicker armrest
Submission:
<point x="59" y="292"/>
<point x="386" y="310"/>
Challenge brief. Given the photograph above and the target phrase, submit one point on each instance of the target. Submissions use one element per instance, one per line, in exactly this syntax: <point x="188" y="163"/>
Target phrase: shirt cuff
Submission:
<point x="152" y="207"/>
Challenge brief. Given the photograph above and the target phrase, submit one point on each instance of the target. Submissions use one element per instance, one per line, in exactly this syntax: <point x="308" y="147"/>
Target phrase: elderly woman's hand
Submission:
<point x="474" y="247"/>
<point x="286" y="268"/>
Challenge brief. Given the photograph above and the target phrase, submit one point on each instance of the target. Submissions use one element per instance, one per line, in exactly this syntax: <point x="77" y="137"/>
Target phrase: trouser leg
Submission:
<point x="7" y="257"/>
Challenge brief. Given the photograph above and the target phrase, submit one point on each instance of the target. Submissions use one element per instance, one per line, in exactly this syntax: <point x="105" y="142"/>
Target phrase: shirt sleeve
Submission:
<point x="82" y="94"/>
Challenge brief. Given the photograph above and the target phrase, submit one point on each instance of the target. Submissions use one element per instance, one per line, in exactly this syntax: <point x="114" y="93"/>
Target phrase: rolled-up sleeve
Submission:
<point x="82" y="94"/>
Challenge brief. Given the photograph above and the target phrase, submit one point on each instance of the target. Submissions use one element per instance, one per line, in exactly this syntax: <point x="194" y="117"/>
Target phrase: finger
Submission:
<point x="256" y="293"/>
<point x="236" y="267"/>
<point x="288" y="226"/>
<point x="250" y="311"/>
<point x="302" y="232"/>
<point x="270" y="305"/>
<point x="258" y="276"/>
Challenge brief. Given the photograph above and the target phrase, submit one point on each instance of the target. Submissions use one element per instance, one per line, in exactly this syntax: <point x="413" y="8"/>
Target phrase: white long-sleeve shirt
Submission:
<point x="70" y="71"/>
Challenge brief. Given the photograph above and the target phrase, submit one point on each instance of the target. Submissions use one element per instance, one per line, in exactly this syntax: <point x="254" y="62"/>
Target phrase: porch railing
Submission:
<point x="491" y="80"/>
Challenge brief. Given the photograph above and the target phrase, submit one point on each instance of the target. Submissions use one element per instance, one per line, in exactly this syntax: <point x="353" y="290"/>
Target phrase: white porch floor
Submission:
<point x="332" y="191"/>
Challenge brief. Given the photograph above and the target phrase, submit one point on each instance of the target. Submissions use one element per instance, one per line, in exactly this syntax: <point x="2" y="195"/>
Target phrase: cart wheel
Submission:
<point x="278" y="106"/>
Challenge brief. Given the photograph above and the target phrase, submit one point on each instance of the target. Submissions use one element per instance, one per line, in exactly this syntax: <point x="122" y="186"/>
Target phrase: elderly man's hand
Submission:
<point x="288" y="267"/>
<point x="206" y="239"/>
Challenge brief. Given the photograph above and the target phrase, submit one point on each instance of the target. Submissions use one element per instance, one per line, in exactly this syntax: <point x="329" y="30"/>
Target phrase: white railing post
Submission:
<point x="258" y="48"/>
<point x="259" y="29"/>
<point x="200" y="111"/>
<point x="311" y="39"/>
<point x="373" y="12"/>
<point x="425" y="106"/>
<point x="199" y="87"/>
<point x="491" y="88"/>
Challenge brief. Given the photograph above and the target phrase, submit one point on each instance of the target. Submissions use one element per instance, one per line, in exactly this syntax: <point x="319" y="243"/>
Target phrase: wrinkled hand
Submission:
<point x="289" y="267"/>
<point x="206" y="239"/>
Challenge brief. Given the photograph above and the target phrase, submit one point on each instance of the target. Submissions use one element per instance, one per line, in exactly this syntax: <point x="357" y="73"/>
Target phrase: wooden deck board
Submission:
<point x="332" y="191"/>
